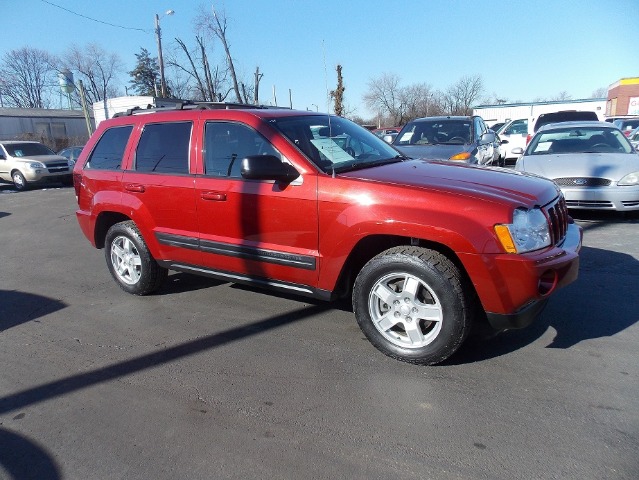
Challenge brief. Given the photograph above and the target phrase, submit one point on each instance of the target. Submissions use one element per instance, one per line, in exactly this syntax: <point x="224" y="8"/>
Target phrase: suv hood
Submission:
<point x="46" y="159"/>
<point x="496" y="184"/>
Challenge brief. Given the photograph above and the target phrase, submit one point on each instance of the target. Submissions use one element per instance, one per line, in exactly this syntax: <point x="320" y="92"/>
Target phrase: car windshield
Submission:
<point x="435" y="132"/>
<point x="27" y="149"/>
<point x="335" y="144"/>
<point x="579" y="140"/>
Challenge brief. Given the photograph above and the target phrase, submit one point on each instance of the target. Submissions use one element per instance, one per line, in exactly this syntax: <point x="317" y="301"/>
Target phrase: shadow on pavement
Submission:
<point x="23" y="459"/>
<point x="20" y="307"/>
<point x="601" y="303"/>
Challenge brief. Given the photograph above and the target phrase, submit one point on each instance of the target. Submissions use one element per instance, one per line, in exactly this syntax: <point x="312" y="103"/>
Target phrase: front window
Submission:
<point x="27" y="149"/>
<point x="335" y="144"/>
<point x="435" y="132"/>
<point x="579" y="140"/>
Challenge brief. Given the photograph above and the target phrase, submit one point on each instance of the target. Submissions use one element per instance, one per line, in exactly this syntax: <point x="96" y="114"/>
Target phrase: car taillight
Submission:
<point x="528" y="137"/>
<point x="77" y="180"/>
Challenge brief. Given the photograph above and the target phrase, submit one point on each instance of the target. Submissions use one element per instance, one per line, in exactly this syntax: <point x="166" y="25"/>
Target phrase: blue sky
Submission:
<point x="523" y="50"/>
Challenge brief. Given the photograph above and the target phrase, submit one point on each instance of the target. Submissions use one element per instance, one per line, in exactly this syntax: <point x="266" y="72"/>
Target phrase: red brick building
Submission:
<point x="623" y="97"/>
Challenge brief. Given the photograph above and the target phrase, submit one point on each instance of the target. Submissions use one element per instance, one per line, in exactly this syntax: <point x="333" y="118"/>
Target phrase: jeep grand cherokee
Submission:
<point x="313" y="204"/>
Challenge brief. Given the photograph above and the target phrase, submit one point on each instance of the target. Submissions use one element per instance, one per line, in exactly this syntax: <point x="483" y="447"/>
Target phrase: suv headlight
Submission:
<point x="529" y="231"/>
<point x="629" y="180"/>
<point x="35" y="165"/>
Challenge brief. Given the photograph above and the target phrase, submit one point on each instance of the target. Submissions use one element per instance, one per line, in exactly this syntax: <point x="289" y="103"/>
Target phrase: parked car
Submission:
<point x="313" y="204"/>
<point x="496" y="126"/>
<point x="592" y="162"/>
<point x="557" y="117"/>
<point x="462" y="139"/>
<point x="71" y="153"/>
<point x="30" y="163"/>
<point x="626" y="125"/>
<point x="512" y="135"/>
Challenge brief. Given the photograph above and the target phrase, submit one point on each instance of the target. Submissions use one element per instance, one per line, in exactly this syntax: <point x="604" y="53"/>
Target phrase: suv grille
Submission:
<point x="58" y="167"/>
<point x="557" y="214"/>
<point x="582" y="182"/>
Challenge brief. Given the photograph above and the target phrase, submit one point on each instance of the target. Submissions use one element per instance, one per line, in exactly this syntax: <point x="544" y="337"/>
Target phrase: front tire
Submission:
<point x="19" y="182"/>
<point x="413" y="304"/>
<point x="130" y="262"/>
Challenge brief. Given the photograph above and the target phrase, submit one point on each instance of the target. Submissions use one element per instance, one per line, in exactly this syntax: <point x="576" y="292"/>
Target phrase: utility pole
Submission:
<point x="158" y="35"/>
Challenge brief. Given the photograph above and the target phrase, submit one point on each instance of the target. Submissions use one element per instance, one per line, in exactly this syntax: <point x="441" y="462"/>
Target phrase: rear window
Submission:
<point x="567" y="116"/>
<point x="109" y="151"/>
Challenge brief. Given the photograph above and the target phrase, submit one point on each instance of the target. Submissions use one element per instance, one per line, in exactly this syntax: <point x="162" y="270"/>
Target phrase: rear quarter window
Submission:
<point x="109" y="151"/>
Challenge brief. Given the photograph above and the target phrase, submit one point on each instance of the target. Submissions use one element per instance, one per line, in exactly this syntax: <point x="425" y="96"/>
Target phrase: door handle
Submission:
<point x="215" y="196"/>
<point x="134" y="187"/>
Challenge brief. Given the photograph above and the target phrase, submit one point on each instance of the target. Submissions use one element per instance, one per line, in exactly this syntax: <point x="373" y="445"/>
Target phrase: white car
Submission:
<point x="513" y="135"/>
<point x="592" y="162"/>
<point x="25" y="163"/>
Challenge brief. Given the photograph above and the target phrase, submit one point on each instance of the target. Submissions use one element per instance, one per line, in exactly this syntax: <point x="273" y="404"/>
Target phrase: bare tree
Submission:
<point x="97" y="68"/>
<point x="385" y="96"/>
<point x="459" y="98"/>
<point x="601" y="92"/>
<point x="215" y="25"/>
<point x="420" y="100"/>
<point x="338" y="94"/>
<point x="204" y="82"/>
<point x="561" y="96"/>
<point x="28" y="76"/>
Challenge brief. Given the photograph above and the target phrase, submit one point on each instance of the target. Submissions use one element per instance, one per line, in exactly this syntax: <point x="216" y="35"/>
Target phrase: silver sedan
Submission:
<point x="592" y="162"/>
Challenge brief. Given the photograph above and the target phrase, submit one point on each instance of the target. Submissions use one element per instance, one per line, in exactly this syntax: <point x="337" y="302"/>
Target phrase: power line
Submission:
<point x="98" y="21"/>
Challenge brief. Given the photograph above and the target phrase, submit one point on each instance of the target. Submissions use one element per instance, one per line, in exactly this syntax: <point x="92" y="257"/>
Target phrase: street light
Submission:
<point x="158" y="35"/>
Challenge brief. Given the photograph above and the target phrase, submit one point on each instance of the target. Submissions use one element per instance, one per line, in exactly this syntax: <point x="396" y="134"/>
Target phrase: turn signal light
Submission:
<point x="460" y="157"/>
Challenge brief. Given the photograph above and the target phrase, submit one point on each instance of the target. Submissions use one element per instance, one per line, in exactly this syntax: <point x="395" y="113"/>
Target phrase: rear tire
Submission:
<point x="130" y="262"/>
<point x="413" y="304"/>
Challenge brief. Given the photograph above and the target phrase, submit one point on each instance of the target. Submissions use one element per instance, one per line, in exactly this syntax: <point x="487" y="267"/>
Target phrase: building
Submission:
<point x="55" y="128"/>
<point x="623" y="98"/>
<point x="511" y="111"/>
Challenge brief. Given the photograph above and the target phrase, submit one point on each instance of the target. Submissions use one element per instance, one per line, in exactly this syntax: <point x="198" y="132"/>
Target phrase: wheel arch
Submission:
<point x="372" y="245"/>
<point x="105" y="221"/>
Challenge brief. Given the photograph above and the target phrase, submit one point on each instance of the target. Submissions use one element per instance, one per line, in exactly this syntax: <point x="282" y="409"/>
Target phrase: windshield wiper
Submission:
<point x="373" y="163"/>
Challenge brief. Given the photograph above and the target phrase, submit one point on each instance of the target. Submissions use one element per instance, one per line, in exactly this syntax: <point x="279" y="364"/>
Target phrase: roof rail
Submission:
<point x="193" y="105"/>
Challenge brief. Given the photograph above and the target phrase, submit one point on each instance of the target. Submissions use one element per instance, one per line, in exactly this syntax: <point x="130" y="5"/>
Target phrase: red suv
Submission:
<point x="313" y="204"/>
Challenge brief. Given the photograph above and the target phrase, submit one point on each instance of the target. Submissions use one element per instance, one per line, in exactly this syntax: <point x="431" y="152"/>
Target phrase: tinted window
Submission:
<point x="226" y="144"/>
<point x="517" y="127"/>
<point x="164" y="148"/>
<point x="27" y="149"/>
<point x="108" y="153"/>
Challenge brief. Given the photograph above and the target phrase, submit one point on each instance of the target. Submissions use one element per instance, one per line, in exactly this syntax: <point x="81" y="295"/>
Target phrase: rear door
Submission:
<point x="158" y="187"/>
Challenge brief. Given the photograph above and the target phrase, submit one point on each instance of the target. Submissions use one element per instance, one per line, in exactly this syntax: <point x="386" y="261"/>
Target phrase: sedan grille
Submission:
<point x="58" y="167"/>
<point x="557" y="214"/>
<point x="582" y="182"/>
<point x="590" y="204"/>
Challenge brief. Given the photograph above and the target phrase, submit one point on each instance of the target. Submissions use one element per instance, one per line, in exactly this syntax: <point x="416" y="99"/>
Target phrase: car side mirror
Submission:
<point x="488" y="137"/>
<point x="268" y="167"/>
<point x="504" y="142"/>
<point x="517" y="151"/>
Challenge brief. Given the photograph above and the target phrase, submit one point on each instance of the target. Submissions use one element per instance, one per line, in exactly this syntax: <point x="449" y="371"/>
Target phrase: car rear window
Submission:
<point x="567" y="116"/>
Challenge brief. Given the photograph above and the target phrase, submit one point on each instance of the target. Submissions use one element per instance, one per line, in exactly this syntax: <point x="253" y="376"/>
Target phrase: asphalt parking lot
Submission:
<point x="213" y="380"/>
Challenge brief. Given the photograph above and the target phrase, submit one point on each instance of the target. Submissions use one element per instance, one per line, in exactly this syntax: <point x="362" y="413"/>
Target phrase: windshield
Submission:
<point x="27" y="149"/>
<point x="579" y="140"/>
<point x="335" y="144"/>
<point x="435" y="132"/>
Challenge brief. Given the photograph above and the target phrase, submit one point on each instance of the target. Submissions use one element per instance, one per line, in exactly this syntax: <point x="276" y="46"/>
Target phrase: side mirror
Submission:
<point x="504" y="142"/>
<point x="488" y="137"/>
<point x="517" y="151"/>
<point x="268" y="167"/>
<point x="388" y="138"/>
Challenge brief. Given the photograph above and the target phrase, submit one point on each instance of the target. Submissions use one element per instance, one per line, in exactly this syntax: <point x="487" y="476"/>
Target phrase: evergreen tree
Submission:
<point x="146" y="74"/>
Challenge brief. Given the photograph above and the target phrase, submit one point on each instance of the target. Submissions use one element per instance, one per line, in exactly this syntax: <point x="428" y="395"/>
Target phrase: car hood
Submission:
<point x="613" y="166"/>
<point x="495" y="184"/>
<point x="46" y="159"/>
<point x="433" y="152"/>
